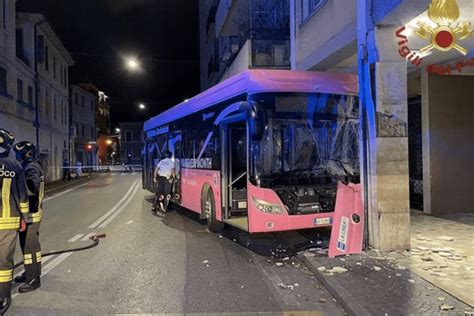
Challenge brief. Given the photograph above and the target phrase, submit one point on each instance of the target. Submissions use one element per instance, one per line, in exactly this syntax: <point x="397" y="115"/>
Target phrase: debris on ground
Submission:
<point x="446" y="307"/>
<point x="279" y="264"/>
<point x="445" y="238"/>
<point x="323" y="300"/>
<point x="377" y="268"/>
<point x="337" y="270"/>
<point x="321" y="269"/>
<point x="411" y="281"/>
<point x="205" y="262"/>
<point x="308" y="254"/>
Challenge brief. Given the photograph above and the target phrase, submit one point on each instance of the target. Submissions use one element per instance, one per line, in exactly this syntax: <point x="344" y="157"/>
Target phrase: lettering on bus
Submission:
<point x="207" y="116"/>
<point x="158" y="131"/>
<point x="203" y="163"/>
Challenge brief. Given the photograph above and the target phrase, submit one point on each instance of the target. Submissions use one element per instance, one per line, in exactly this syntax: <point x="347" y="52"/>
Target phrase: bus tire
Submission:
<point x="209" y="209"/>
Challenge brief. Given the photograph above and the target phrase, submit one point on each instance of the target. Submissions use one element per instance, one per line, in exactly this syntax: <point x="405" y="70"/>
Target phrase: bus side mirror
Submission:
<point x="256" y="120"/>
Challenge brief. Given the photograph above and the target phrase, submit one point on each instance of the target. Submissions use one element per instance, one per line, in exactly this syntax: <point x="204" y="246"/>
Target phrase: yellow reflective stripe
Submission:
<point x="28" y="261"/>
<point x="9" y="223"/>
<point x="38" y="256"/>
<point x="6" y="186"/>
<point x="41" y="196"/>
<point x="6" y="276"/>
<point x="28" y="256"/>
<point x="9" y="226"/>
<point x="24" y="207"/>
<point x="36" y="217"/>
<point x="9" y="220"/>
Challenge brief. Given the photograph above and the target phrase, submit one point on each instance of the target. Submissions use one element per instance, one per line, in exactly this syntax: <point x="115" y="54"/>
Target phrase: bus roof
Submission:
<point x="258" y="81"/>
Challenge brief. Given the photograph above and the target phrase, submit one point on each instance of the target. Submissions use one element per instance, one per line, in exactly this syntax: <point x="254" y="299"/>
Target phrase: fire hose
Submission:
<point x="95" y="242"/>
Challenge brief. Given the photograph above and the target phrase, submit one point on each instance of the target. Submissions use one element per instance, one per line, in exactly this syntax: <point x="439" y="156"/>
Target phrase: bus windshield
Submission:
<point x="309" y="139"/>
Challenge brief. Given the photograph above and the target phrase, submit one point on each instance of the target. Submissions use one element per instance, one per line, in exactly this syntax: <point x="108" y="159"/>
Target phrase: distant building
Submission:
<point x="83" y="125"/>
<point x="131" y="142"/>
<point x="102" y="123"/>
<point x="34" y="86"/>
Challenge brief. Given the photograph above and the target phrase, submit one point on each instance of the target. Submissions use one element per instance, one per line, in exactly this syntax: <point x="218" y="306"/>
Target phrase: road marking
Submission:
<point x="75" y="238"/>
<point x="87" y="237"/>
<point x="113" y="209"/>
<point x="111" y="218"/>
<point x="72" y="189"/>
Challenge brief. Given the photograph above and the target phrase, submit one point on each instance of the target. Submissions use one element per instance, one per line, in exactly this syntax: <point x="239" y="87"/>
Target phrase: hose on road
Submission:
<point x="95" y="242"/>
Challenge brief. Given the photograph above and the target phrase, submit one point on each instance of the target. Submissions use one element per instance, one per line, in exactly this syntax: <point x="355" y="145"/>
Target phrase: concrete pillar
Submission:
<point x="388" y="179"/>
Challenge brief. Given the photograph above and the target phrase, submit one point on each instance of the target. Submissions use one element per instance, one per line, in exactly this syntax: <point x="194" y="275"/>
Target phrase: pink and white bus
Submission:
<point x="263" y="151"/>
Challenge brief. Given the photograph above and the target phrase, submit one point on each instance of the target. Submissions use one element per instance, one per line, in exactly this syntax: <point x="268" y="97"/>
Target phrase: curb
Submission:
<point x="349" y="302"/>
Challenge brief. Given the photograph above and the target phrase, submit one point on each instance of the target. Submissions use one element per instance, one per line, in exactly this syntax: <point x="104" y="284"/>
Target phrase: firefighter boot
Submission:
<point x="5" y="304"/>
<point x="21" y="278"/>
<point x="30" y="286"/>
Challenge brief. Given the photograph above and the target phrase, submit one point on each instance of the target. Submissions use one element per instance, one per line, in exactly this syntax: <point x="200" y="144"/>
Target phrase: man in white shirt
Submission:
<point x="163" y="177"/>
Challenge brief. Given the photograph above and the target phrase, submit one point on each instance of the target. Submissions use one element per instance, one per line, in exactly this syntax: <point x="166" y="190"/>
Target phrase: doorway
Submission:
<point x="234" y="170"/>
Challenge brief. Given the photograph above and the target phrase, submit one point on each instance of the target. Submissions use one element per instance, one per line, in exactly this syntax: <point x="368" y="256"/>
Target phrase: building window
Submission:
<point x="55" y="112"/>
<point x="65" y="77"/>
<point x="3" y="81"/>
<point x="128" y="136"/>
<point x="46" y="102"/>
<point x="83" y="101"/>
<point x="55" y="75"/>
<point x="82" y="132"/>
<point x="92" y="105"/>
<point x="92" y="132"/>
<point x="30" y="95"/>
<point x="46" y="57"/>
<point x="19" y="84"/>
<point x="76" y="99"/>
<point x="310" y="7"/>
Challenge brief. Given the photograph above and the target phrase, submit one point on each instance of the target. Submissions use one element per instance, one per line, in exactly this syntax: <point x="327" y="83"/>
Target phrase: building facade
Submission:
<point x="131" y="142"/>
<point x="83" y="125"/>
<point x="33" y="83"/>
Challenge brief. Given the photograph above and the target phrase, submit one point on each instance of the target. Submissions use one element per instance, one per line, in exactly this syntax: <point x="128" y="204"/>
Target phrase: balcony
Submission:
<point x="232" y="17"/>
<point x="255" y="52"/>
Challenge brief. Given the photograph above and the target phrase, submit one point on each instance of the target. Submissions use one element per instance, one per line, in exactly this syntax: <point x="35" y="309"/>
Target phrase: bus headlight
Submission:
<point x="267" y="207"/>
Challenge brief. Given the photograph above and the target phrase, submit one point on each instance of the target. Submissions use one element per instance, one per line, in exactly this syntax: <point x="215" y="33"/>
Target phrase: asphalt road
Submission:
<point x="157" y="265"/>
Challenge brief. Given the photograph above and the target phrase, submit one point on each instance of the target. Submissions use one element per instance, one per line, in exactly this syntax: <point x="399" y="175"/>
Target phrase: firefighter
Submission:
<point x="29" y="239"/>
<point x="163" y="178"/>
<point x="14" y="209"/>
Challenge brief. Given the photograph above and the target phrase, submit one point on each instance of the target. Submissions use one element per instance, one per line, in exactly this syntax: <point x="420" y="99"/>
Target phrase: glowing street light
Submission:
<point x="109" y="142"/>
<point x="117" y="130"/>
<point x="142" y="106"/>
<point x="132" y="64"/>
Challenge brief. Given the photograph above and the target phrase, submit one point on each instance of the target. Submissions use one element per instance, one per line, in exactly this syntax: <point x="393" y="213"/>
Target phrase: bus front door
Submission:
<point x="234" y="171"/>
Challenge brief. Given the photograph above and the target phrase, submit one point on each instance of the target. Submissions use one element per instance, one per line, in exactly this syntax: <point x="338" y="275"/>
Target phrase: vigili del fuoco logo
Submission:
<point x="445" y="36"/>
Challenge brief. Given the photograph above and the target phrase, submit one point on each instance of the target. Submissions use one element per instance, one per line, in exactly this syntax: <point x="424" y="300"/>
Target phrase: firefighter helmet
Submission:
<point x="6" y="140"/>
<point x="25" y="151"/>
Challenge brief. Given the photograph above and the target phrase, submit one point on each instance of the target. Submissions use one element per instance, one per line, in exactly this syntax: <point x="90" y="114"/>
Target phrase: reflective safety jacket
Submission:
<point x="14" y="196"/>
<point x="34" y="175"/>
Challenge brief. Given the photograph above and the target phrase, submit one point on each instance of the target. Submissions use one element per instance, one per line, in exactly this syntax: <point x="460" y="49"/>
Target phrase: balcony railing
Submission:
<point x="270" y="53"/>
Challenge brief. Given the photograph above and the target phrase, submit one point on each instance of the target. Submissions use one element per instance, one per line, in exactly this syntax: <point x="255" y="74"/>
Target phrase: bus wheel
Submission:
<point x="209" y="208"/>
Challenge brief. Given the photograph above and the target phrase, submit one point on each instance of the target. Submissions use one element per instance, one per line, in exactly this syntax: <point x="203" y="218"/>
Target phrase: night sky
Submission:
<point x="99" y="32"/>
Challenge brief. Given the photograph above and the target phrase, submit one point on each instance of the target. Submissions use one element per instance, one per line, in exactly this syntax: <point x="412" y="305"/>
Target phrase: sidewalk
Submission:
<point x="370" y="284"/>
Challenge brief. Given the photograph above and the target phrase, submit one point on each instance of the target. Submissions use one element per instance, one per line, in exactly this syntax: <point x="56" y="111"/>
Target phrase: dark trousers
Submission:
<point x="7" y="251"/>
<point x="162" y="189"/>
<point x="31" y="248"/>
<point x="66" y="173"/>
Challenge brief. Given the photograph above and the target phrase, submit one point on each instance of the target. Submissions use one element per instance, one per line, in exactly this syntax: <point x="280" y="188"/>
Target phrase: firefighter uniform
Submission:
<point x="29" y="239"/>
<point x="14" y="206"/>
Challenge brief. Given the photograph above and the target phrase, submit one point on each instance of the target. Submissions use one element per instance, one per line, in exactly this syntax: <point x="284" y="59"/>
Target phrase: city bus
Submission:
<point x="264" y="151"/>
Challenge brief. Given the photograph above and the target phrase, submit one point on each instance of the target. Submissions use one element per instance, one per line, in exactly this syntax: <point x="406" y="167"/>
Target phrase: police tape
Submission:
<point x="101" y="167"/>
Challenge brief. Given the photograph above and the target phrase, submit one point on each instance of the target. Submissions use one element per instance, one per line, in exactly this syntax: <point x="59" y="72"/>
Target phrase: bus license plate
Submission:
<point x="323" y="221"/>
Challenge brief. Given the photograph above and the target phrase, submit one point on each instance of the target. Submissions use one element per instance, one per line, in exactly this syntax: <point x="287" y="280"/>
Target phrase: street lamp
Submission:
<point x="142" y="106"/>
<point x="117" y="130"/>
<point x="132" y="64"/>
